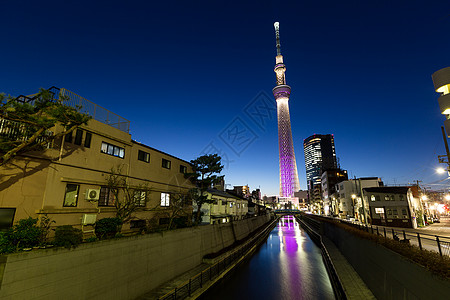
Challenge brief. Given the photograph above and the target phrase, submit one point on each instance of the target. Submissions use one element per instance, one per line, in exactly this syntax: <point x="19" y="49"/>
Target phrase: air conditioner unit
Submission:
<point x="92" y="194"/>
<point x="88" y="219"/>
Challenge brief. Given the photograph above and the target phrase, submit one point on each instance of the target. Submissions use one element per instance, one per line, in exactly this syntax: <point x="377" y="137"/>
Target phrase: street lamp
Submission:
<point x="353" y="204"/>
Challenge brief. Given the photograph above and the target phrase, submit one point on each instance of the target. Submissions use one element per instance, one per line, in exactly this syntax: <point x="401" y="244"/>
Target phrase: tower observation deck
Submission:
<point x="288" y="167"/>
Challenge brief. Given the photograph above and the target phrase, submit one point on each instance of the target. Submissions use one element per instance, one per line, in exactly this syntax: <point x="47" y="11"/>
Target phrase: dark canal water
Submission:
<point x="288" y="266"/>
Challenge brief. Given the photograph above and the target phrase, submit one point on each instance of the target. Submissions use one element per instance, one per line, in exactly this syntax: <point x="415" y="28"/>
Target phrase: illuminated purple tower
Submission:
<point x="288" y="167"/>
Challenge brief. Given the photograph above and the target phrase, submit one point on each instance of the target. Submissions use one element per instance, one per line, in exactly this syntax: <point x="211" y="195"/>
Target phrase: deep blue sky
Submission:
<point x="183" y="72"/>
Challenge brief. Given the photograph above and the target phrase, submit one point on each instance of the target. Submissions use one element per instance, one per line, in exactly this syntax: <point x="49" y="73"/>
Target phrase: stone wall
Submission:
<point x="387" y="274"/>
<point x="116" y="269"/>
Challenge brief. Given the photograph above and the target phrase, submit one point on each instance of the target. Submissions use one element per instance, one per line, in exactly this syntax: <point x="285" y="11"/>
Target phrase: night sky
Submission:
<point x="189" y="74"/>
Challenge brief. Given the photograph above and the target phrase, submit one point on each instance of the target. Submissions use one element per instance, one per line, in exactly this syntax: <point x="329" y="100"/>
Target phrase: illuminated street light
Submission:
<point x="447" y="197"/>
<point x="424" y="197"/>
<point x="440" y="170"/>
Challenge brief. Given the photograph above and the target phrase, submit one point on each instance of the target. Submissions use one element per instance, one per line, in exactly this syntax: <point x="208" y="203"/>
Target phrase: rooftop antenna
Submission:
<point x="277" y="34"/>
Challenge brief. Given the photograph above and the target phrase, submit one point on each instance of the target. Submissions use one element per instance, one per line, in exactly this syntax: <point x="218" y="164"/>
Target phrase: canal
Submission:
<point x="288" y="266"/>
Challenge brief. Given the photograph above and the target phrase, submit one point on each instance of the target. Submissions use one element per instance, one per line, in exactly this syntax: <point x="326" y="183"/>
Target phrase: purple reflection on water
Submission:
<point x="288" y="266"/>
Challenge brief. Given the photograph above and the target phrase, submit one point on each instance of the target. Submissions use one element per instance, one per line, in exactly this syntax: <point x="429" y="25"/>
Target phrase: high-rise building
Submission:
<point x="320" y="156"/>
<point x="288" y="167"/>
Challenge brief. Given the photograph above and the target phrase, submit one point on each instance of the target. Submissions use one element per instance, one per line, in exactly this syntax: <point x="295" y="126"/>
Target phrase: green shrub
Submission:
<point x="107" y="228"/>
<point x="91" y="239"/>
<point x="26" y="233"/>
<point x="67" y="236"/>
<point x="7" y="241"/>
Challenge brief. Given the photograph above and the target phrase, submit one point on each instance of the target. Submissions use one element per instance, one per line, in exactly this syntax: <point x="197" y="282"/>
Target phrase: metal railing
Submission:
<point x="424" y="241"/>
<point x="196" y="282"/>
<point x="309" y="225"/>
<point x="83" y="105"/>
<point x="18" y="131"/>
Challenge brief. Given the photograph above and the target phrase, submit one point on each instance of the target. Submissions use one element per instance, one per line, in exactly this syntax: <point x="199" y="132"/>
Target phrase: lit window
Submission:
<point x="112" y="150"/>
<point x="71" y="196"/>
<point x="386" y="198"/>
<point x="372" y="198"/>
<point x="143" y="156"/>
<point x="140" y="198"/>
<point x="165" y="163"/>
<point x="165" y="199"/>
<point x="183" y="169"/>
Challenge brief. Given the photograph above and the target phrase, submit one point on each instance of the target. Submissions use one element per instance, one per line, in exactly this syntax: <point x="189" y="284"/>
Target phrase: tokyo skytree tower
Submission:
<point x="288" y="167"/>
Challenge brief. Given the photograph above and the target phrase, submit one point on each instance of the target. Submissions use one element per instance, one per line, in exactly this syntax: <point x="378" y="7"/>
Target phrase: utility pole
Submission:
<point x="442" y="158"/>
<point x="363" y="205"/>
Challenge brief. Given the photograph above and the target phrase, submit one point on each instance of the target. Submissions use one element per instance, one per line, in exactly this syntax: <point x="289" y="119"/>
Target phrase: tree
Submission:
<point x="179" y="207"/>
<point x="205" y="174"/>
<point x="128" y="199"/>
<point x="25" y="124"/>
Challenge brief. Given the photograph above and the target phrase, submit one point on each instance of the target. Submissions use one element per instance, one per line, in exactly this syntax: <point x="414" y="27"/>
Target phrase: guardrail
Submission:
<point x="307" y="223"/>
<point x="194" y="283"/>
<point x="437" y="243"/>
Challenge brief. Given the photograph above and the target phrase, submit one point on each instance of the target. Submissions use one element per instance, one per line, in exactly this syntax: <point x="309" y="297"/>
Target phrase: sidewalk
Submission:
<point x="353" y="285"/>
<point x="172" y="284"/>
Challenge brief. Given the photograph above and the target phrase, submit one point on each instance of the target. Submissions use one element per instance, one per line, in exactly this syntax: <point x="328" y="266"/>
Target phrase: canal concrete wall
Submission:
<point x="116" y="269"/>
<point x="387" y="274"/>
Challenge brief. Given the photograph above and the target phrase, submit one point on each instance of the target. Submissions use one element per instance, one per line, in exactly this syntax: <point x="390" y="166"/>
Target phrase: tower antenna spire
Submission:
<point x="277" y="34"/>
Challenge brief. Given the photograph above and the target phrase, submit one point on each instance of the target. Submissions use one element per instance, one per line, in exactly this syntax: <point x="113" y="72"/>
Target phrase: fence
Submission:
<point x="83" y="105"/>
<point x="194" y="283"/>
<point x="440" y="244"/>
<point x="308" y="224"/>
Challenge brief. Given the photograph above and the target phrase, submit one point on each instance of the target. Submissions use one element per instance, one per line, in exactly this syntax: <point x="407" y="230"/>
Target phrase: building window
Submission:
<point x="404" y="212"/>
<point x="389" y="212"/>
<point x="143" y="156"/>
<point x="112" y="150"/>
<point x="68" y="137"/>
<point x="107" y="197"/>
<point x="377" y="198"/>
<point x="394" y="211"/>
<point x="401" y="197"/>
<point x="137" y="224"/>
<point x="87" y="140"/>
<point x="386" y="197"/>
<point x="372" y="198"/>
<point x="183" y="169"/>
<point x="231" y="204"/>
<point x="140" y="198"/>
<point x="165" y="199"/>
<point x="166" y="163"/>
<point x="6" y="218"/>
<point x="392" y="197"/>
<point x="78" y="137"/>
<point x="71" y="196"/>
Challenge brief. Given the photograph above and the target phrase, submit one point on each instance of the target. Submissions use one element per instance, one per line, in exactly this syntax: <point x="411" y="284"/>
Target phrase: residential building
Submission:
<point x="303" y="199"/>
<point x="392" y="206"/>
<point x="222" y="207"/>
<point x="68" y="182"/>
<point x="348" y="196"/>
<point x="329" y="180"/>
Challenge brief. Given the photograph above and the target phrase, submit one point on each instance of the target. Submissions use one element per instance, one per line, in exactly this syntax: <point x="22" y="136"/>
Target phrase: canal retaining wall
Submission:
<point x="116" y="269"/>
<point x="387" y="274"/>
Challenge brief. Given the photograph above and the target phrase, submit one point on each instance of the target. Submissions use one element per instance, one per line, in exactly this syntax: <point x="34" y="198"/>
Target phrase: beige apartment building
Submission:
<point x="223" y="207"/>
<point x="68" y="181"/>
